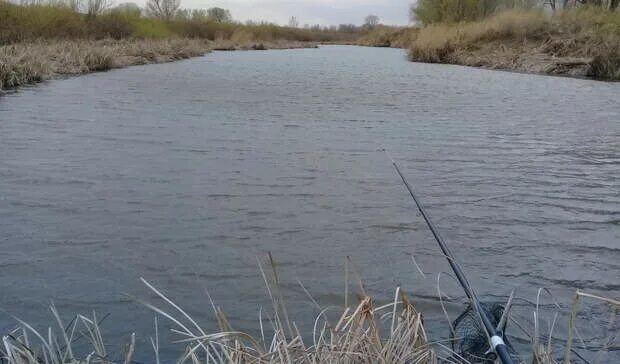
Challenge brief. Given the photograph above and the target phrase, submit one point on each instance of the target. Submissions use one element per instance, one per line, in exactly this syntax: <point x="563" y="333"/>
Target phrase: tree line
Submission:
<point x="450" y="11"/>
<point x="30" y="20"/>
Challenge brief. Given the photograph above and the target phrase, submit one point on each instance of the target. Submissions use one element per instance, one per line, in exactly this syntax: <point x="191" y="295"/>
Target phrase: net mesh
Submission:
<point x="470" y="342"/>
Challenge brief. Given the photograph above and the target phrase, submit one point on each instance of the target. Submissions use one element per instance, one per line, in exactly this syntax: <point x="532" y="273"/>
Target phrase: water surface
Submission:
<point x="184" y="173"/>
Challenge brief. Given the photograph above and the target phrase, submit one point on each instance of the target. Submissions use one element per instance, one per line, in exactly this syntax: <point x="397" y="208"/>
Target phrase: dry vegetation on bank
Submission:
<point x="57" y="20"/>
<point x="392" y="333"/>
<point x="39" y="41"/>
<point x="578" y="42"/>
<point x="582" y="42"/>
<point x="385" y="36"/>
<point x="32" y="62"/>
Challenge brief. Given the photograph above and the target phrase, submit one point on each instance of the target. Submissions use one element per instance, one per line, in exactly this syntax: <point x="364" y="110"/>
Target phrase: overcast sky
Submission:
<point x="324" y="12"/>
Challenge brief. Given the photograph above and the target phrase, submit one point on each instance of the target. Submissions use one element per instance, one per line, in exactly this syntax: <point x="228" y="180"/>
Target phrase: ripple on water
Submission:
<point x="184" y="172"/>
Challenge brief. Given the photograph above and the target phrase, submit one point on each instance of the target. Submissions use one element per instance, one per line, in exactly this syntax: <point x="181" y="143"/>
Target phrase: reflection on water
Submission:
<point x="184" y="173"/>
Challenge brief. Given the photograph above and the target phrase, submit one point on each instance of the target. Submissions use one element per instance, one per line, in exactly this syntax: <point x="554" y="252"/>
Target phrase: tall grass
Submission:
<point x="363" y="333"/>
<point x="585" y="37"/>
<point x="392" y="333"/>
<point x="31" y="62"/>
<point x="385" y="36"/>
<point x="40" y="41"/>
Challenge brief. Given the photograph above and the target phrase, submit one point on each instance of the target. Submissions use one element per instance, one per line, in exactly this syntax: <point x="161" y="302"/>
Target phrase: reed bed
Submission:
<point x="579" y="42"/>
<point x="362" y="333"/>
<point x="26" y="63"/>
<point x="32" y="62"/>
<point x="385" y="36"/>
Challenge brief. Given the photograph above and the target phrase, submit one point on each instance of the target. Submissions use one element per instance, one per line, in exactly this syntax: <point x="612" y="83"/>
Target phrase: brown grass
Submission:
<point x="31" y="62"/>
<point x="384" y="36"/>
<point x="365" y="333"/>
<point x="25" y="63"/>
<point x="582" y="42"/>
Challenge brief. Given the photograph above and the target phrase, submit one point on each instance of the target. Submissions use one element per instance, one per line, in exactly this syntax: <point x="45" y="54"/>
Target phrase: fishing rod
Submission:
<point x="496" y="342"/>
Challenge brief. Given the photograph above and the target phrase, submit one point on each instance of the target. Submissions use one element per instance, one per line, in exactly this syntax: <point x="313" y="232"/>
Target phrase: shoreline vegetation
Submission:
<point x="42" y="40"/>
<point x="578" y="42"/>
<point x="358" y="332"/>
<point x="32" y="62"/>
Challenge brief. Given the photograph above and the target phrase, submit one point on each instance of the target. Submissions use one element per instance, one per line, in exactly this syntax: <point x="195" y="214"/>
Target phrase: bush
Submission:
<point x="21" y="23"/>
<point x="584" y="37"/>
<point x="436" y="42"/>
<point x="453" y="11"/>
<point x="385" y="36"/>
<point x="151" y="28"/>
<point x="115" y="25"/>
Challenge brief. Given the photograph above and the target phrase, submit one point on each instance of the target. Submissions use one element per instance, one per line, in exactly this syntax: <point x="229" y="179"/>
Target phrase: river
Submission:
<point x="184" y="173"/>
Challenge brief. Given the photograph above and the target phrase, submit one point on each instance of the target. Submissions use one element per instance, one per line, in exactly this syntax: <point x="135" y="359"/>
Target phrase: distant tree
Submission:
<point x="219" y="15"/>
<point x="551" y="3"/>
<point x="434" y="11"/>
<point x="183" y="14"/>
<point x="199" y="15"/>
<point x="163" y="9"/>
<point x="129" y="8"/>
<point x="452" y="11"/>
<point x="91" y="8"/>
<point x="347" y="28"/>
<point x="293" y="22"/>
<point x="371" y="21"/>
<point x="75" y="5"/>
<point x="97" y="7"/>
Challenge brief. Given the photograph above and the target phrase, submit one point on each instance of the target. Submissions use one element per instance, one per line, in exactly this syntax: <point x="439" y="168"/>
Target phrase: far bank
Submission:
<point x="578" y="43"/>
<point x="32" y="62"/>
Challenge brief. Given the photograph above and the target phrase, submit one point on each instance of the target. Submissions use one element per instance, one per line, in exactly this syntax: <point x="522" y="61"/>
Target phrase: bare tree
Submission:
<point x="219" y="15"/>
<point x="75" y="5"/>
<point x="551" y="4"/>
<point x="293" y="23"/>
<point x="347" y="28"/>
<point x="97" y="7"/>
<point x="200" y="14"/>
<point x="371" y="21"/>
<point x="164" y="9"/>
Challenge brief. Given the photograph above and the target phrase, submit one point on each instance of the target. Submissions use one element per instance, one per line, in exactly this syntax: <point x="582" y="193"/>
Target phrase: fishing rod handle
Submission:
<point x="500" y="348"/>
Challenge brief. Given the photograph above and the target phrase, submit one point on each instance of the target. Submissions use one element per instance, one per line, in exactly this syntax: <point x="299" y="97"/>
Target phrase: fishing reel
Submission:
<point x="490" y="356"/>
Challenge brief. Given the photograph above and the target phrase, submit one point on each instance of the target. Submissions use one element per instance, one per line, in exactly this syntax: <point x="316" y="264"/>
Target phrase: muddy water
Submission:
<point x="184" y="173"/>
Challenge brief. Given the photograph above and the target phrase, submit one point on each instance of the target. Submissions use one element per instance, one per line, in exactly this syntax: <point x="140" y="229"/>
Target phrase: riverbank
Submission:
<point x="363" y="332"/>
<point x="31" y="62"/>
<point x="578" y="43"/>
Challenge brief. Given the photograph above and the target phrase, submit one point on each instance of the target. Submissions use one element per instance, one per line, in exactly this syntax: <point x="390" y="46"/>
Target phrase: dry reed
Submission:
<point x="25" y="63"/>
<point x="363" y="333"/>
<point x="582" y="42"/>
